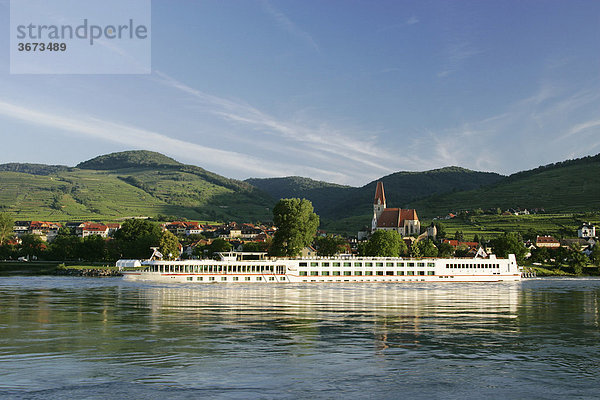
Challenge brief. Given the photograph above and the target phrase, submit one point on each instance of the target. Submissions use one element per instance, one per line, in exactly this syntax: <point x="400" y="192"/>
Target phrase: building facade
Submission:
<point x="405" y="222"/>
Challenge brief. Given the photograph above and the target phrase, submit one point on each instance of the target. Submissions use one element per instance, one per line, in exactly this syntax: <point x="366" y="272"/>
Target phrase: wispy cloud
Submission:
<point x="146" y="139"/>
<point x="289" y="26"/>
<point x="320" y="138"/>
<point x="412" y="20"/>
<point x="456" y="55"/>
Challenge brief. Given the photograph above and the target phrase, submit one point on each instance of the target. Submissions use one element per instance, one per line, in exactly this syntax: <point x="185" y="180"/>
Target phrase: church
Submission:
<point x="405" y="222"/>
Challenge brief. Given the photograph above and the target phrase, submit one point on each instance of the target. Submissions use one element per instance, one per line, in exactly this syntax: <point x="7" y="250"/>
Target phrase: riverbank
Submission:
<point x="14" y="268"/>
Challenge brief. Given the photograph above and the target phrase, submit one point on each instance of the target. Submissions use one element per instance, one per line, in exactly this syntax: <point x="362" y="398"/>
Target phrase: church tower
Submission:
<point x="378" y="204"/>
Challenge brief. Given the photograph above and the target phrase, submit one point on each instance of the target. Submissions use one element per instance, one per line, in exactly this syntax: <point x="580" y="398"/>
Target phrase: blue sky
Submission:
<point x="342" y="91"/>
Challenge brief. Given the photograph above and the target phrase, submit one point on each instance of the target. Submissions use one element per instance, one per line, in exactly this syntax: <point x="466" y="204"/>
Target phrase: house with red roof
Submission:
<point x="405" y="222"/>
<point x="92" y="228"/>
<point x="546" y="241"/>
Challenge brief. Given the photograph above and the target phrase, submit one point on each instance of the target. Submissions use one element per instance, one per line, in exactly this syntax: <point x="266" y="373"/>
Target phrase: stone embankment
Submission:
<point x="97" y="272"/>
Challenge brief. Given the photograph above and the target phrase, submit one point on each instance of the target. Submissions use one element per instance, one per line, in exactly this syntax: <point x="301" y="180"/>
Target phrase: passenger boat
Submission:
<point x="235" y="267"/>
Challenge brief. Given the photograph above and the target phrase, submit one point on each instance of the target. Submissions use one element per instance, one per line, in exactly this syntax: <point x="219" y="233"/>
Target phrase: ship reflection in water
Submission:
<point x="97" y="338"/>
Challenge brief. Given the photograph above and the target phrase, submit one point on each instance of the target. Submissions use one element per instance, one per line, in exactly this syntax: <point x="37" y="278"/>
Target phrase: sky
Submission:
<point x="341" y="91"/>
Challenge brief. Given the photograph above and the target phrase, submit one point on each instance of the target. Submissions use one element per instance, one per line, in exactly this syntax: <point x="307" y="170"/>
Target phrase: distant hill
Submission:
<point x="127" y="184"/>
<point x="569" y="186"/>
<point x="334" y="201"/>
<point x="144" y="183"/>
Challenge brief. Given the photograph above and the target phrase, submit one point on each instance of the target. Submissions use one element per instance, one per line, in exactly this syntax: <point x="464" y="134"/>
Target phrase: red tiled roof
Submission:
<point x="395" y="217"/>
<point x="546" y="239"/>
<point x="379" y="194"/>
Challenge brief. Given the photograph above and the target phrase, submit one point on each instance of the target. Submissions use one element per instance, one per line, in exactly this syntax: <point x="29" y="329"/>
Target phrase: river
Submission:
<point x="97" y="338"/>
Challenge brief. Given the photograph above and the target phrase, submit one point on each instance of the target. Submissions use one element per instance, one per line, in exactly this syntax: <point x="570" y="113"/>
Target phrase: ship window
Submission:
<point x="325" y="264"/>
<point x="347" y="264"/>
<point x="302" y="273"/>
<point x="421" y="272"/>
<point x="258" y="278"/>
<point x="223" y="278"/>
<point x="314" y="273"/>
<point x="358" y="273"/>
<point x="325" y="273"/>
<point x="212" y="278"/>
<point x="410" y="272"/>
<point x="336" y="273"/>
<point x="389" y="273"/>
<point x="235" y="278"/>
<point x="271" y="278"/>
<point x="314" y="264"/>
<point x="346" y="273"/>
<point x="336" y="264"/>
<point x="379" y="272"/>
<point x="379" y="264"/>
<point x="369" y="264"/>
<point x="368" y="272"/>
<point x="190" y="278"/>
<point x="411" y="264"/>
<point x="430" y="272"/>
<point x="358" y="264"/>
<point x="247" y="278"/>
<point x="420" y="264"/>
<point x="400" y="273"/>
<point x="390" y="264"/>
<point x="199" y="278"/>
<point x="303" y="264"/>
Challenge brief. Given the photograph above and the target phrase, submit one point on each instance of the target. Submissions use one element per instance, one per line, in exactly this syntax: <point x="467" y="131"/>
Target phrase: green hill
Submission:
<point x="569" y="186"/>
<point x="334" y="201"/>
<point x="133" y="183"/>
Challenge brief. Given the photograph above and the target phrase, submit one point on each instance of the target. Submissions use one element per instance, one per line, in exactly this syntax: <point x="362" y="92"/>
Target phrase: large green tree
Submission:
<point x="385" y="244"/>
<point x="65" y="247"/>
<point x="296" y="225"/>
<point x="169" y="245"/>
<point x="6" y="227"/>
<point x="331" y="245"/>
<point x="509" y="243"/>
<point x="135" y="238"/>
<point x="424" y="248"/>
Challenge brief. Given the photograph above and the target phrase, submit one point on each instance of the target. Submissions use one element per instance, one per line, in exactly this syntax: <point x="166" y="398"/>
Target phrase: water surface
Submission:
<point x="65" y="337"/>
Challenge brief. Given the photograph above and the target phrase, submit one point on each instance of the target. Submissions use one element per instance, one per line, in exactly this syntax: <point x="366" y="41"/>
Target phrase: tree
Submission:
<point x="385" y="243"/>
<point x="92" y="248"/>
<point x="31" y="246"/>
<point x="578" y="260"/>
<point x="296" y="226"/>
<point x="65" y="247"/>
<point x="217" y="246"/>
<point x="253" y="247"/>
<point x="458" y="235"/>
<point x="424" y="248"/>
<point x="6" y="227"/>
<point x="595" y="255"/>
<point x="330" y="245"/>
<point x="445" y="250"/>
<point x="135" y="238"/>
<point x="509" y="243"/>
<point x="441" y="230"/>
<point x="169" y="245"/>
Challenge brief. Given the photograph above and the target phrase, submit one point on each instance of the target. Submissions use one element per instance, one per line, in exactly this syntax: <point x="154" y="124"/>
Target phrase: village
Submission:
<point x="198" y="240"/>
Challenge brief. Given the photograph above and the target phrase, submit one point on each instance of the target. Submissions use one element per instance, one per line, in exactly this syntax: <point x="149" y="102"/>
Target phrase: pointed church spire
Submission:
<point x="379" y="194"/>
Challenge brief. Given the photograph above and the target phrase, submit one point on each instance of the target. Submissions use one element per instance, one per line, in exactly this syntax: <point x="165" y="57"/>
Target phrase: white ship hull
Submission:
<point x="334" y="269"/>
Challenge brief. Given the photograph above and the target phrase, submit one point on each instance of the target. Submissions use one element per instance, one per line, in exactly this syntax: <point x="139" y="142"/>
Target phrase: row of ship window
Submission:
<point x="235" y="278"/>
<point x="364" y="273"/>
<point x="366" y="264"/>
<point x="190" y="269"/>
<point x="454" y="266"/>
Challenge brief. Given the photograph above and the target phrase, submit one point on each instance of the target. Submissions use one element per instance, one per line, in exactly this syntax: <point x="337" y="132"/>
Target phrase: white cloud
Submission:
<point x="146" y="139"/>
<point x="319" y="138"/>
<point x="289" y="26"/>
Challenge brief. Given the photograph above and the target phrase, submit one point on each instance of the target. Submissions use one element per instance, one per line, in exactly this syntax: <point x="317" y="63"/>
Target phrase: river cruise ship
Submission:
<point x="234" y="267"/>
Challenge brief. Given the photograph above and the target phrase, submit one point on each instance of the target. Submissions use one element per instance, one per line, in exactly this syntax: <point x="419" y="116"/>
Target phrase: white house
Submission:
<point x="587" y="230"/>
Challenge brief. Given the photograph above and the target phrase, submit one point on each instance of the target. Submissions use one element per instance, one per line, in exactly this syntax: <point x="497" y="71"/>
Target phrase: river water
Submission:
<point x="96" y="338"/>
